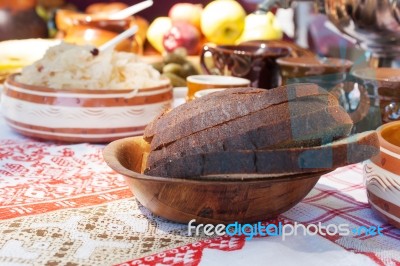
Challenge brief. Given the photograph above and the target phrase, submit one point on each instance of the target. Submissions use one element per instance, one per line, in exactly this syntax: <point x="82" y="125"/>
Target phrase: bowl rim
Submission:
<point x="218" y="80"/>
<point x="297" y="62"/>
<point x="385" y="143"/>
<point x="11" y="80"/>
<point x="272" y="52"/>
<point x="293" y="48"/>
<point x="110" y="151"/>
<point x="365" y="73"/>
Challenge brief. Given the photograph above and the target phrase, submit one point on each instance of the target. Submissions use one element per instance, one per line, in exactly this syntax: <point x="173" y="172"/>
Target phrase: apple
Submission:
<point x="155" y="32"/>
<point x="261" y="27"/>
<point x="222" y="21"/>
<point x="186" y="12"/>
<point x="182" y="34"/>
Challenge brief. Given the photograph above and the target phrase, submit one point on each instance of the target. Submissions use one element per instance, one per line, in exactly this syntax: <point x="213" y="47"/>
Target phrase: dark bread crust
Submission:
<point x="221" y="107"/>
<point x="306" y="121"/>
<point x="346" y="151"/>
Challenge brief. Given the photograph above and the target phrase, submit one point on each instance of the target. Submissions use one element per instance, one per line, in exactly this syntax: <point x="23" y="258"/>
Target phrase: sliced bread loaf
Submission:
<point x="222" y="107"/>
<point x="346" y="151"/>
<point x="303" y="122"/>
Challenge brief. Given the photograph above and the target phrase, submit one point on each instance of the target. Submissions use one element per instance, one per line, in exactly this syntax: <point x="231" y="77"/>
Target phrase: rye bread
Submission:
<point x="305" y="121"/>
<point x="205" y="112"/>
<point x="346" y="151"/>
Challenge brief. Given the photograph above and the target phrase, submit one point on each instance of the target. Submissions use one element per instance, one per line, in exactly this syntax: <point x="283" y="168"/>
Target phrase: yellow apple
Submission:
<point x="261" y="27"/>
<point x="155" y="32"/>
<point x="222" y="21"/>
<point x="186" y="12"/>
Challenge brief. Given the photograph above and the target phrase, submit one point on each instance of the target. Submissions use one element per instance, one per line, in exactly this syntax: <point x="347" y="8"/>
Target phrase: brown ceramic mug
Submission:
<point x="326" y="72"/>
<point x="383" y="84"/>
<point x="254" y="62"/>
<point x="332" y="75"/>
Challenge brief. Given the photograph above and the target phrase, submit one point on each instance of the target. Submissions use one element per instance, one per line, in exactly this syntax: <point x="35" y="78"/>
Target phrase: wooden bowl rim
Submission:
<point x="110" y="151"/>
<point x="164" y="83"/>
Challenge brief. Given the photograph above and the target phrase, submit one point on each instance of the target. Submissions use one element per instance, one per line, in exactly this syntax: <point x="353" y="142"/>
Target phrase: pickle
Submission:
<point x="173" y="68"/>
<point x="158" y="66"/>
<point x="174" y="58"/>
<point x="188" y="69"/>
<point x="176" y="80"/>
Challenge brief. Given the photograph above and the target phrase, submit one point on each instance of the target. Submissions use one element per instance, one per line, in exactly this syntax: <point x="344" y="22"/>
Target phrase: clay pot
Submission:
<point x="382" y="174"/>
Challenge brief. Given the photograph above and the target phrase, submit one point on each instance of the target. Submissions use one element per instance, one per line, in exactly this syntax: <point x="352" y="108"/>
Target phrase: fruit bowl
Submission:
<point x="212" y="200"/>
<point x="81" y="115"/>
<point x="382" y="174"/>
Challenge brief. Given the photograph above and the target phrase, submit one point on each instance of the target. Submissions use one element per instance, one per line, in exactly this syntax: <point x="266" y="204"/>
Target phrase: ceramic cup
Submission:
<point x="294" y="49"/>
<point x="327" y="72"/>
<point x="382" y="174"/>
<point x="202" y="93"/>
<point x="383" y="84"/>
<point x="254" y="62"/>
<point x="331" y="74"/>
<point x="196" y="83"/>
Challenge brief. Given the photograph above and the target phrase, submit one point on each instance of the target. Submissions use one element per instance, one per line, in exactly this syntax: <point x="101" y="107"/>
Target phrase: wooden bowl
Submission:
<point x="382" y="174"/>
<point x="82" y="115"/>
<point x="218" y="200"/>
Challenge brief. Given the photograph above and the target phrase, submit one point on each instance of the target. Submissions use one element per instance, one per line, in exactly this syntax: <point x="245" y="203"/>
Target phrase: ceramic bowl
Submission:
<point x="78" y="115"/>
<point x="382" y="174"/>
<point x="208" y="200"/>
<point x="95" y="29"/>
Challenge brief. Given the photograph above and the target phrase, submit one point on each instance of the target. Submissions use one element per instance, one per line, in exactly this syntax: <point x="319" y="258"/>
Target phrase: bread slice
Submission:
<point x="302" y="122"/>
<point x="346" y="151"/>
<point x="205" y="112"/>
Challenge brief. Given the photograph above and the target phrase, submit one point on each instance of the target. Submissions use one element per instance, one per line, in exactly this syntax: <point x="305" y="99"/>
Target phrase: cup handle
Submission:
<point x="203" y="64"/>
<point x="363" y="108"/>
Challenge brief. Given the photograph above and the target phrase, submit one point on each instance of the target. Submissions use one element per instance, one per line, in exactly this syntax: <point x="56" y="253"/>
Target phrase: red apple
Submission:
<point x="187" y="12"/>
<point x="182" y="34"/>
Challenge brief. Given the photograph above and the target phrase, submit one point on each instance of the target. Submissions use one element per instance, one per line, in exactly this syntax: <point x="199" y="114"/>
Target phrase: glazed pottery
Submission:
<point x="382" y="174"/>
<point x="383" y="84"/>
<point x="78" y="115"/>
<point x="256" y="63"/>
<point x="196" y="83"/>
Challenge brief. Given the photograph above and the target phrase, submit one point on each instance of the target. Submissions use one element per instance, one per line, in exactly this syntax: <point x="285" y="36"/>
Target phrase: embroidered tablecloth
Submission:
<point x="61" y="204"/>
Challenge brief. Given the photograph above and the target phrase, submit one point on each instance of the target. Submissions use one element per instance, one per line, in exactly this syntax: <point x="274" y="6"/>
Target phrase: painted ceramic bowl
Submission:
<point x="382" y="174"/>
<point x="77" y="115"/>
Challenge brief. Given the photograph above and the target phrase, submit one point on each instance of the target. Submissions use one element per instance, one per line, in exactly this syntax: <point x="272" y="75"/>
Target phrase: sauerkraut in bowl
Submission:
<point x="69" y="66"/>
